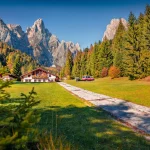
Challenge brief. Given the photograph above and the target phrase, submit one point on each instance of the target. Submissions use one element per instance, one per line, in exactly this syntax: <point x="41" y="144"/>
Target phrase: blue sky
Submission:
<point x="82" y="21"/>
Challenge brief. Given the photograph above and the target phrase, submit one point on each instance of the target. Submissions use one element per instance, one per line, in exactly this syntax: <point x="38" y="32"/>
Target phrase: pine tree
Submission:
<point x="132" y="20"/>
<point x="132" y="49"/>
<point x="144" y="51"/>
<point x="77" y="65"/>
<point x="147" y="26"/>
<point x="89" y="61"/>
<point x="137" y="57"/>
<point x="17" y="69"/>
<point x="68" y="64"/>
<point x="84" y="63"/>
<point x="96" y="61"/>
<point x="118" y="47"/>
<point x="105" y="55"/>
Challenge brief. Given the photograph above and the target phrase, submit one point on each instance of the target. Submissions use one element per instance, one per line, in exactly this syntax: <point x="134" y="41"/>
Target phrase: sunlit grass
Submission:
<point x="133" y="91"/>
<point x="81" y="125"/>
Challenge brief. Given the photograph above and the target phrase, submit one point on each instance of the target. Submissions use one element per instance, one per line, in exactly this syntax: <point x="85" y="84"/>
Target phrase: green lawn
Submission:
<point x="80" y="124"/>
<point x="133" y="91"/>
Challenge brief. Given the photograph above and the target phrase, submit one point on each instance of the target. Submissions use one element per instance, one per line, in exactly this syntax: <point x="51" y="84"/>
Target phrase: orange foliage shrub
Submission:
<point x="104" y="72"/>
<point x="147" y="79"/>
<point x="114" y="72"/>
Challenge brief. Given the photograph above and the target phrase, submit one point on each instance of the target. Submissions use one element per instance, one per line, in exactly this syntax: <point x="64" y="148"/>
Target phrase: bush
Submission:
<point x="104" y="72"/>
<point x="132" y="77"/>
<point x="114" y="72"/>
<point x="17" y="121"/>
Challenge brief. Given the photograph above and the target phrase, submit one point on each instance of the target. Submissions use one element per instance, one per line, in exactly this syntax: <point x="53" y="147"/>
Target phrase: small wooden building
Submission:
<point x="39" y="75"/>
<point x="8" y="77"/>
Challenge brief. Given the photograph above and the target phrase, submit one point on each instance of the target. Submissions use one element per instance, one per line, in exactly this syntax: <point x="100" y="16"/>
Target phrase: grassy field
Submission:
<point x="78" y="123"/>
<point x="133" y="91"/>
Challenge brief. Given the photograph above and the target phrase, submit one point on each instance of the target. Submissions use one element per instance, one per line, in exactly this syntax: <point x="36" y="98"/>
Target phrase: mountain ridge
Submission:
<point x="111" y="28"/>
<point x="37" y="42"/>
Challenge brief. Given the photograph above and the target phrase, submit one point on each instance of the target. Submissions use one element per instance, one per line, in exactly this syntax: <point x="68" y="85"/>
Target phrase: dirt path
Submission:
<point x="132" y="114"/>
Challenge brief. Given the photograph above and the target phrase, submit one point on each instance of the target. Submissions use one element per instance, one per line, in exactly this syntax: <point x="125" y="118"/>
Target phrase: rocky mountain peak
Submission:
<point x="78" y="46"/>
<point x="16" y="29"/>
<point x="3" y="26"/>
<point x="38" y="42"/>
<point x="5" y="34"/>
<point x="39" y="25"/>
<point x="112" y="27"/>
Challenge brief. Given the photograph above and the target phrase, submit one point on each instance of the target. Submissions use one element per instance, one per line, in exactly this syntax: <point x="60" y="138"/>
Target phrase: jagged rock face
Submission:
<point x="37" y="42"/>
<point x="16" y="29"/>
<point x="39" y="37"/>
<point x="112" y="27"/>
<point x="19" y="39"/>
<point x="5" y="33"/>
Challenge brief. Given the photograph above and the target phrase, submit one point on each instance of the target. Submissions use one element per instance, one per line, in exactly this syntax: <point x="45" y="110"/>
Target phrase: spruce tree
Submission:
<point x="118" y="47"/>
<point x="144" y="52"/>
<point x="105" y="55"/>
<point x="77" y="65"/>
<point x="96" y="60"/>
<point x="68" y="64"/>
<point x="131" y="47"/>
<point x="137" y="56"/>
<point x="17" y="69"/>
<point x="147" y="26"/>
<point x="89" y="61"/>
<point x="84" y="63"/>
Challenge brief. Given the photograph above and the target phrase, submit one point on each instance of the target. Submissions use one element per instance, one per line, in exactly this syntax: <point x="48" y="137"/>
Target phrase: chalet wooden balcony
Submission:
<point x="39" y="77"/>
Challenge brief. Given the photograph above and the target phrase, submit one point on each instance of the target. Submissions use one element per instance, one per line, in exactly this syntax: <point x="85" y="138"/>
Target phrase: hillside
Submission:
<point x="9" y="56"/>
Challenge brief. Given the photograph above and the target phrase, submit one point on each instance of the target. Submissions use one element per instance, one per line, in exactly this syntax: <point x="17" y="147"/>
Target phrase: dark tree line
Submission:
<point x="129" y="51"/>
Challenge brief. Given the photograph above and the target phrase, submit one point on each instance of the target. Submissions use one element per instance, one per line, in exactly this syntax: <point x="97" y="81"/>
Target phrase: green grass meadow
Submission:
<point x="134" y="91"/>
<point x="78" y="122"/>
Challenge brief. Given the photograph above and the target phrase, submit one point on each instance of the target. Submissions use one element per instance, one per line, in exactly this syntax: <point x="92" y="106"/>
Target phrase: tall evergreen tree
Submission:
<point x="105" y="55"/>
<point x="95" y="61"/>
<point x="89" y="61"/>
<point x="118" y="47"/>
<point x="17" y="69"/>
<point x="137" y="56"/>
<point x="147" y="26"/>
<point x="77" y="65"/>
<point x="68" y="64"/>
<point x="84" y="63"/>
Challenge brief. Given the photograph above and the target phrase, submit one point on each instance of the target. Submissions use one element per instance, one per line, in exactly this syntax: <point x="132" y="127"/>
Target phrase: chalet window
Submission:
<point x="39" y="80"/>
<point x="29" y="80"/>
<point x="49" y="75"/>
<point x="43" y="80"/>
<point x="34" y="80"/>
<point x="28" y="75"/>
<point x="26" y="80"/>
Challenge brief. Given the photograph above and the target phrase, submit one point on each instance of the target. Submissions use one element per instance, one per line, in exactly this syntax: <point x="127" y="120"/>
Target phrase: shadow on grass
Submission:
<point x="13" y="101"/>
<point x="88" y="128"/>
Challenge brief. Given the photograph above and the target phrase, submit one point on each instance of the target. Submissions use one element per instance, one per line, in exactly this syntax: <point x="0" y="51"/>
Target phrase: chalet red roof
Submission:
<point x="35" y="70"/>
